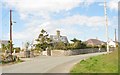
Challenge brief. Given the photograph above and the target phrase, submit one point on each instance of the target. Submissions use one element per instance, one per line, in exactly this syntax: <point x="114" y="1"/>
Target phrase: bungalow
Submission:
<point x="94" y="42"/>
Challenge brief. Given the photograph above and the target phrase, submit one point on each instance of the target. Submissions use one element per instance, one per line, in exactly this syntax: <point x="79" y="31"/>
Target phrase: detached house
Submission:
<point x="94" y="42"/>
<point x="58" y="38"/>
<point x="112" y="43"/>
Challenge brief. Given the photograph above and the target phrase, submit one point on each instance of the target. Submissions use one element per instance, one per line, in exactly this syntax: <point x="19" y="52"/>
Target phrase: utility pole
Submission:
<point x="115" y="36"/>
<point x="106" y="21"/>
<point x="115" y="39"/>
<point x="11" y="31"/>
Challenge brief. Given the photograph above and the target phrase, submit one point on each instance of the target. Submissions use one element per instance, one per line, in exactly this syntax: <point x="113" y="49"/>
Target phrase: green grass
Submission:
<point x="106" y="63"/>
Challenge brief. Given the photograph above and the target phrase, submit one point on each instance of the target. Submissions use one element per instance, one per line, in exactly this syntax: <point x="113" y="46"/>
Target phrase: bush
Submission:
<point x="95" y="46"/>
<point x="77" y="45"/>
<point x="60" y="45"/>
<point x="103" y="46"/>
<point x="89" y="46"/>
<point x="9" y="58"/>
<point x="17" y="49"/>
<point x="69" y="46"/>
<point x="83" y="45"/>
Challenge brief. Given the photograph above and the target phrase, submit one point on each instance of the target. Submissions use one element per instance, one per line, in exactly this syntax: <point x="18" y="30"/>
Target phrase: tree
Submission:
<point x="75" y="40"/>
<point x="17" y="49"/>
<point x="6" y="47"/>
<point x="77" y="44"/>
<point x="3" y="47"/>
<point x="43" y="40"/>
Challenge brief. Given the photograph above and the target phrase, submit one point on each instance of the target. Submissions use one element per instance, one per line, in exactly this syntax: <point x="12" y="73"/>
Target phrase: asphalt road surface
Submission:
<point x="47" y="64"/>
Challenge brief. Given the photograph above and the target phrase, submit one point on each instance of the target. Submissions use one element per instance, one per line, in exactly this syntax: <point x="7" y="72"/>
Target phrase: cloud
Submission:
<point x="41" y="7"/>
<point x="30" y="32"/>
<point x="82" y="20"/>
<point x="66" y="26"/>
<point x="113" y="5"/>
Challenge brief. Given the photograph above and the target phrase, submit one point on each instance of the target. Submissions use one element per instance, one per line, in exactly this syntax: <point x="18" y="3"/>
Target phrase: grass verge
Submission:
<point x="106" y="63"/>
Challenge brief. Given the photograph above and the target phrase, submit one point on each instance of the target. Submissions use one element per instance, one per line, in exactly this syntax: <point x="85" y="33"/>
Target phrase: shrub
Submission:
<point x="89" y="46"/>
<point x="60" y="45"/>
<point x="17" y="49"/>
<point x="103" y="46"/>
<point x="9" y="58"/>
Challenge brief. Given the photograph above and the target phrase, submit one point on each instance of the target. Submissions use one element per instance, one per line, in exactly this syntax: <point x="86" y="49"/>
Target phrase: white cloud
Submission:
<point x="87" y="3"/>
<point x="30" y="32"/>
<point x="82" y="20"/>
<point x="66" y="26"/>
<point x="113" y="5"/>
<point x="33" y="30"/>
<point x="41" y="7"/>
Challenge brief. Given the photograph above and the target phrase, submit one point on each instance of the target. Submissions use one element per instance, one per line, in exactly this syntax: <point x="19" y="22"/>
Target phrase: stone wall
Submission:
<point x="57" y="52"/>
<point x="75" y="52"/>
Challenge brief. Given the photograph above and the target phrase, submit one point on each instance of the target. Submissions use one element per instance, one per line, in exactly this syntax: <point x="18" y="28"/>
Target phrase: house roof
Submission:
<point x="4" y="42"/>
<point x="94" y="42"/>
<point x="55" y="38"/>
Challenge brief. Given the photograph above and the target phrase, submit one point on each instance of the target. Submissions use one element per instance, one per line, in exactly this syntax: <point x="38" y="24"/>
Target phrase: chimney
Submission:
<point x="58" y="33"/>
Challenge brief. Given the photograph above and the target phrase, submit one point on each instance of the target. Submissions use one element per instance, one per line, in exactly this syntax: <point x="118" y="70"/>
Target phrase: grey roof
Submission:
<point x="55" y="38"/>
<point x="5" y="42"/>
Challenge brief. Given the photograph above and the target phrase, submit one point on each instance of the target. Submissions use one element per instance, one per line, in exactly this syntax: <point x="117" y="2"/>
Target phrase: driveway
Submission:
<point x="47" y="64"/>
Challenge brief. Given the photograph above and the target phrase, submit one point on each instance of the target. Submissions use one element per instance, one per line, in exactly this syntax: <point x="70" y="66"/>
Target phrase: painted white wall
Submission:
<point x="112" y="44"/>
<point x="44" y="53"/>
<point x="0" y="45"/>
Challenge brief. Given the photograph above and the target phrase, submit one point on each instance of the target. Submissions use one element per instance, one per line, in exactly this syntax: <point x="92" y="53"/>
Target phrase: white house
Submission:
<point x="112" y="43"/>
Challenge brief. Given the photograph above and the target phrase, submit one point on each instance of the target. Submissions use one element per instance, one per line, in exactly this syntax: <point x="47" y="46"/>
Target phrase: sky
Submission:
<point x="81" y="19"/>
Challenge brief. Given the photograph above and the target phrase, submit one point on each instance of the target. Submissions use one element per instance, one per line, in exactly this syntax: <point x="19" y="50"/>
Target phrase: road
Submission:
<point x="47" y="64"/>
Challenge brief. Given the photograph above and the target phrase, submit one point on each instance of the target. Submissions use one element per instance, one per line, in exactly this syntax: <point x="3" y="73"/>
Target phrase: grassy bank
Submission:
<point x="107" y="63"/>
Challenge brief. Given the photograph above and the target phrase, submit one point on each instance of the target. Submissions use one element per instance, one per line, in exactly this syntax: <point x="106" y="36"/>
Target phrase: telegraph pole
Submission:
<point x="115" y="36"/>
<point x="115" y="39"/>
<point x="11" y="32"/>
<point x="106" y="21"/>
